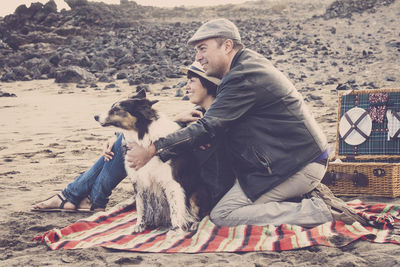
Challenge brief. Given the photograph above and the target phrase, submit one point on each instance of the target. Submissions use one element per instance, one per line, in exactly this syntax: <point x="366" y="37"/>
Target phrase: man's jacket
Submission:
<point x="271" y="135"/>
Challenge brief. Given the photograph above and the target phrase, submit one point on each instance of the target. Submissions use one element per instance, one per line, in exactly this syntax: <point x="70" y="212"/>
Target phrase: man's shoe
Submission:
<point x="339" y="209"/>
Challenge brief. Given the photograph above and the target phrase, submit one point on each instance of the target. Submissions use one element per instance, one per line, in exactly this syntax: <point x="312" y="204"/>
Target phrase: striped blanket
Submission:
<point x="112" y="229"/>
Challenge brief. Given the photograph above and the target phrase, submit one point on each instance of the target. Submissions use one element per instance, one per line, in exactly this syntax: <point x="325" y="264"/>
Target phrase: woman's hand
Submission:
<point x="107" y="149"/>
<point x="189" y="116"/>
<point x="138" y="156"/>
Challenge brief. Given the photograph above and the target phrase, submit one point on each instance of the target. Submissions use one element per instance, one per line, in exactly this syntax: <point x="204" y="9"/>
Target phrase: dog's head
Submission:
<point x="135" y="113"/>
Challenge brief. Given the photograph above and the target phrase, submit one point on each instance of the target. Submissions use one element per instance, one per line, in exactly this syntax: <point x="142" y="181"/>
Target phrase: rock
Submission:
<point x="74" y="74"/>
<point x="104" y="78"/>
<point x="140" y="44"/>
<point x="99" y="64"/>
<point x="84" y="62"/>
<point x="178" y="92"/>
<point x="81" y="85"/>
<point x="143" y="87"/>
<point x="313" y="97"/>
<point x="180" y="84"/>
<point x="364" y="53"/>
<point x="5" y="94"/>
<point x="125" y="60"/>
<point x="346" y="8"/>
<point x="111" y="85"/>
<point x="54" y="59"/>
<point x="122" y="75"/>
<point x="50" y="7"/>
<point x="341" y="86"/>
<point x="394" y="43"/>
<point x="76" y="3"/>
<point x="116" y="52"/>
<point x="134" y="81"/>
<point x="6" y="77"/>
<point x="390" y="79"/>
<point x="20" y="73"/>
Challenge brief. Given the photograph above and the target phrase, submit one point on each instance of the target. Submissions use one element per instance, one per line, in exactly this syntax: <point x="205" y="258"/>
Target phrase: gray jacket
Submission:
<point x="271" y="135"/>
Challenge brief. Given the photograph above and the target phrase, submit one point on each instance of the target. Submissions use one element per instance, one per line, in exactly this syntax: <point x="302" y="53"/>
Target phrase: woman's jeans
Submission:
<point x="98" y="182"/>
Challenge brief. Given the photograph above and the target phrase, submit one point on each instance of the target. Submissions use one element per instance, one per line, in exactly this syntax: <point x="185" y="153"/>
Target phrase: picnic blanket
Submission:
<point x="113" y="229"/>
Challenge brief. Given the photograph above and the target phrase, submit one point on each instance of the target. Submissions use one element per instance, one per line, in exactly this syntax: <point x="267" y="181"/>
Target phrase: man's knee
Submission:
<point x="218" y="217"/>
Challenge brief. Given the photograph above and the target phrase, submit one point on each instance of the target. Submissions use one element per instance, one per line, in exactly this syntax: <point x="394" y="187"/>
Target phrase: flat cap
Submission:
<point x="216" y="28"/>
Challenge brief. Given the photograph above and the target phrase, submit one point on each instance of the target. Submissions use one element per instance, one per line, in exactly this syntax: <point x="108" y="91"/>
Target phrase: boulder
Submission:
<point x="76" y="3"/>
<point x="74" y="74"/>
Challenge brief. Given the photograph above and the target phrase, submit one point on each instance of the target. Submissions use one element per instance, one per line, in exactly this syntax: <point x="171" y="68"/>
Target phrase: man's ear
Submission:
<point x="228" y="46"/>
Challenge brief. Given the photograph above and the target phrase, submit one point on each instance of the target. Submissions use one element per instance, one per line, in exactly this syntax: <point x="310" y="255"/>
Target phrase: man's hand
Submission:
<point x="189" y="116"/>
<point x="138" y="156"/>
<point x="107" y="153"/>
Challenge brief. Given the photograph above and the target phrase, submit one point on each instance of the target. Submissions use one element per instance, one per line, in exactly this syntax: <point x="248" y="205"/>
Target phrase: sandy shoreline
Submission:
<point x="48" y="136"/>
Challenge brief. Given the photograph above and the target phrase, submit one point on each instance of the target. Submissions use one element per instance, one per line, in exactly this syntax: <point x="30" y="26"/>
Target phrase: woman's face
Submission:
<point x="197" y="93"/>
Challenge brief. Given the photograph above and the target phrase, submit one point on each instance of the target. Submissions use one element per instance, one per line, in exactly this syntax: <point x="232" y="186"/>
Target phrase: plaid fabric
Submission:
<point x="393" y="123"/>
<point x="112" y="229"/>
<point x="377" y="143"/>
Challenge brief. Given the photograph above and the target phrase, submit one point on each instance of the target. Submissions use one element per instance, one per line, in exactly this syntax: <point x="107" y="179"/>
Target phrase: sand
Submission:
<point x="48" y="136"/>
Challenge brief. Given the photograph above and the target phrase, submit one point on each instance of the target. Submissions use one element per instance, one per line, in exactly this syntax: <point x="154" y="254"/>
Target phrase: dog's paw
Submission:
<point x="138" y="228"/>
<point x="194" y="226"/>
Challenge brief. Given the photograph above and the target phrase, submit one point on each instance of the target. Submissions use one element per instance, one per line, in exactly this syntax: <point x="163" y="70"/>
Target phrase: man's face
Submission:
<point x="212" y="57"/>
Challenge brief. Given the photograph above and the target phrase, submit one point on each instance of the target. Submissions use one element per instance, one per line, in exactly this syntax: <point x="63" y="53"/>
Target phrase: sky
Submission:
<point x="8" y="6"/>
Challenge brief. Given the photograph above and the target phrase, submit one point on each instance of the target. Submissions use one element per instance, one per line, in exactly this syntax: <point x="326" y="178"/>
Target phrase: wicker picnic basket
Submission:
<point x="367" y="154"/>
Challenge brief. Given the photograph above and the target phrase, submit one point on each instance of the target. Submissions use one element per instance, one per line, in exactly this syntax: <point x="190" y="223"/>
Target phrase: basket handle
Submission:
<point x="358" y="179"/>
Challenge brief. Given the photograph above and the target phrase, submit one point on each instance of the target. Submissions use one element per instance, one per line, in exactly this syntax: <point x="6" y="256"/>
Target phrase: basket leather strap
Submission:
<point x="359" y="179"/>
<point x="398" y="118"/>
<point x="354" y="125"/>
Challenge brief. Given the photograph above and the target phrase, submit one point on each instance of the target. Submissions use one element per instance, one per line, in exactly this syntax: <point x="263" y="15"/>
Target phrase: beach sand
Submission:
<point x="48" y="136"/>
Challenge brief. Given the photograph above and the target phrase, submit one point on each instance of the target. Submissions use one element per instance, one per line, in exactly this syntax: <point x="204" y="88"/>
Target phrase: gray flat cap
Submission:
<point x="216" y="28"/>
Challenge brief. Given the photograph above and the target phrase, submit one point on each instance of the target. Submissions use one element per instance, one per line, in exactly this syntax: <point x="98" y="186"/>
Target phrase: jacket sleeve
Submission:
<point x="234" y="99"/>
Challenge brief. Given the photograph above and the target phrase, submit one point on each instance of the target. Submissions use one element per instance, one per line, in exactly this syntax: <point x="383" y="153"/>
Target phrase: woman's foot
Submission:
<point x="55" y="203"/>
<point x="86" y="204"/>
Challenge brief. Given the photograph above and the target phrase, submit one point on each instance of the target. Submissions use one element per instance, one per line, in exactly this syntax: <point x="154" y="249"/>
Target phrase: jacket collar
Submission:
<point x="233" y="63"/>
<point x="235" y="58"/>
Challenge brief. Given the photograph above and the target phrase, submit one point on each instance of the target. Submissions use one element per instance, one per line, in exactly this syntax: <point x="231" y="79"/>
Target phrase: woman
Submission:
<point x="91" y="190"/>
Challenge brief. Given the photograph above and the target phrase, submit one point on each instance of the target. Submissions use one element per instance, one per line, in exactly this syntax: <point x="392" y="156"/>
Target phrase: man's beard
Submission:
<point x="217" y="72"/>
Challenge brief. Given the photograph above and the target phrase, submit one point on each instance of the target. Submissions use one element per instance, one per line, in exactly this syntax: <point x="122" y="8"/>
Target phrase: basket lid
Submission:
<point x="377" y="141"/>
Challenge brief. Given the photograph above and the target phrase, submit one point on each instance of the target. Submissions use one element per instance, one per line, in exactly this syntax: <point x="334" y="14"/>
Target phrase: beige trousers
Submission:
<point x="271" y="208"/>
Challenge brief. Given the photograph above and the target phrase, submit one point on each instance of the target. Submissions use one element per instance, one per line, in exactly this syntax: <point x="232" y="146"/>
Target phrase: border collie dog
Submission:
<point x="167" y="194"/>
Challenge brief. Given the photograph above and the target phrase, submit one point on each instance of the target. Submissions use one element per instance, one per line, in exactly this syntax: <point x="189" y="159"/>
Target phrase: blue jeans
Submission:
<point x="98" y="182"/>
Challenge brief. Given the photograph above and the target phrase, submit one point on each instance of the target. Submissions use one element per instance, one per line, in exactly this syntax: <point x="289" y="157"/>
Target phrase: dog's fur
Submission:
<point x="167" y="194"/>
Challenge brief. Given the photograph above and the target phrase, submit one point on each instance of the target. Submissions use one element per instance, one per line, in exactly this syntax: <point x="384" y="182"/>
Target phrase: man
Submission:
<point x="277" y="149"/>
